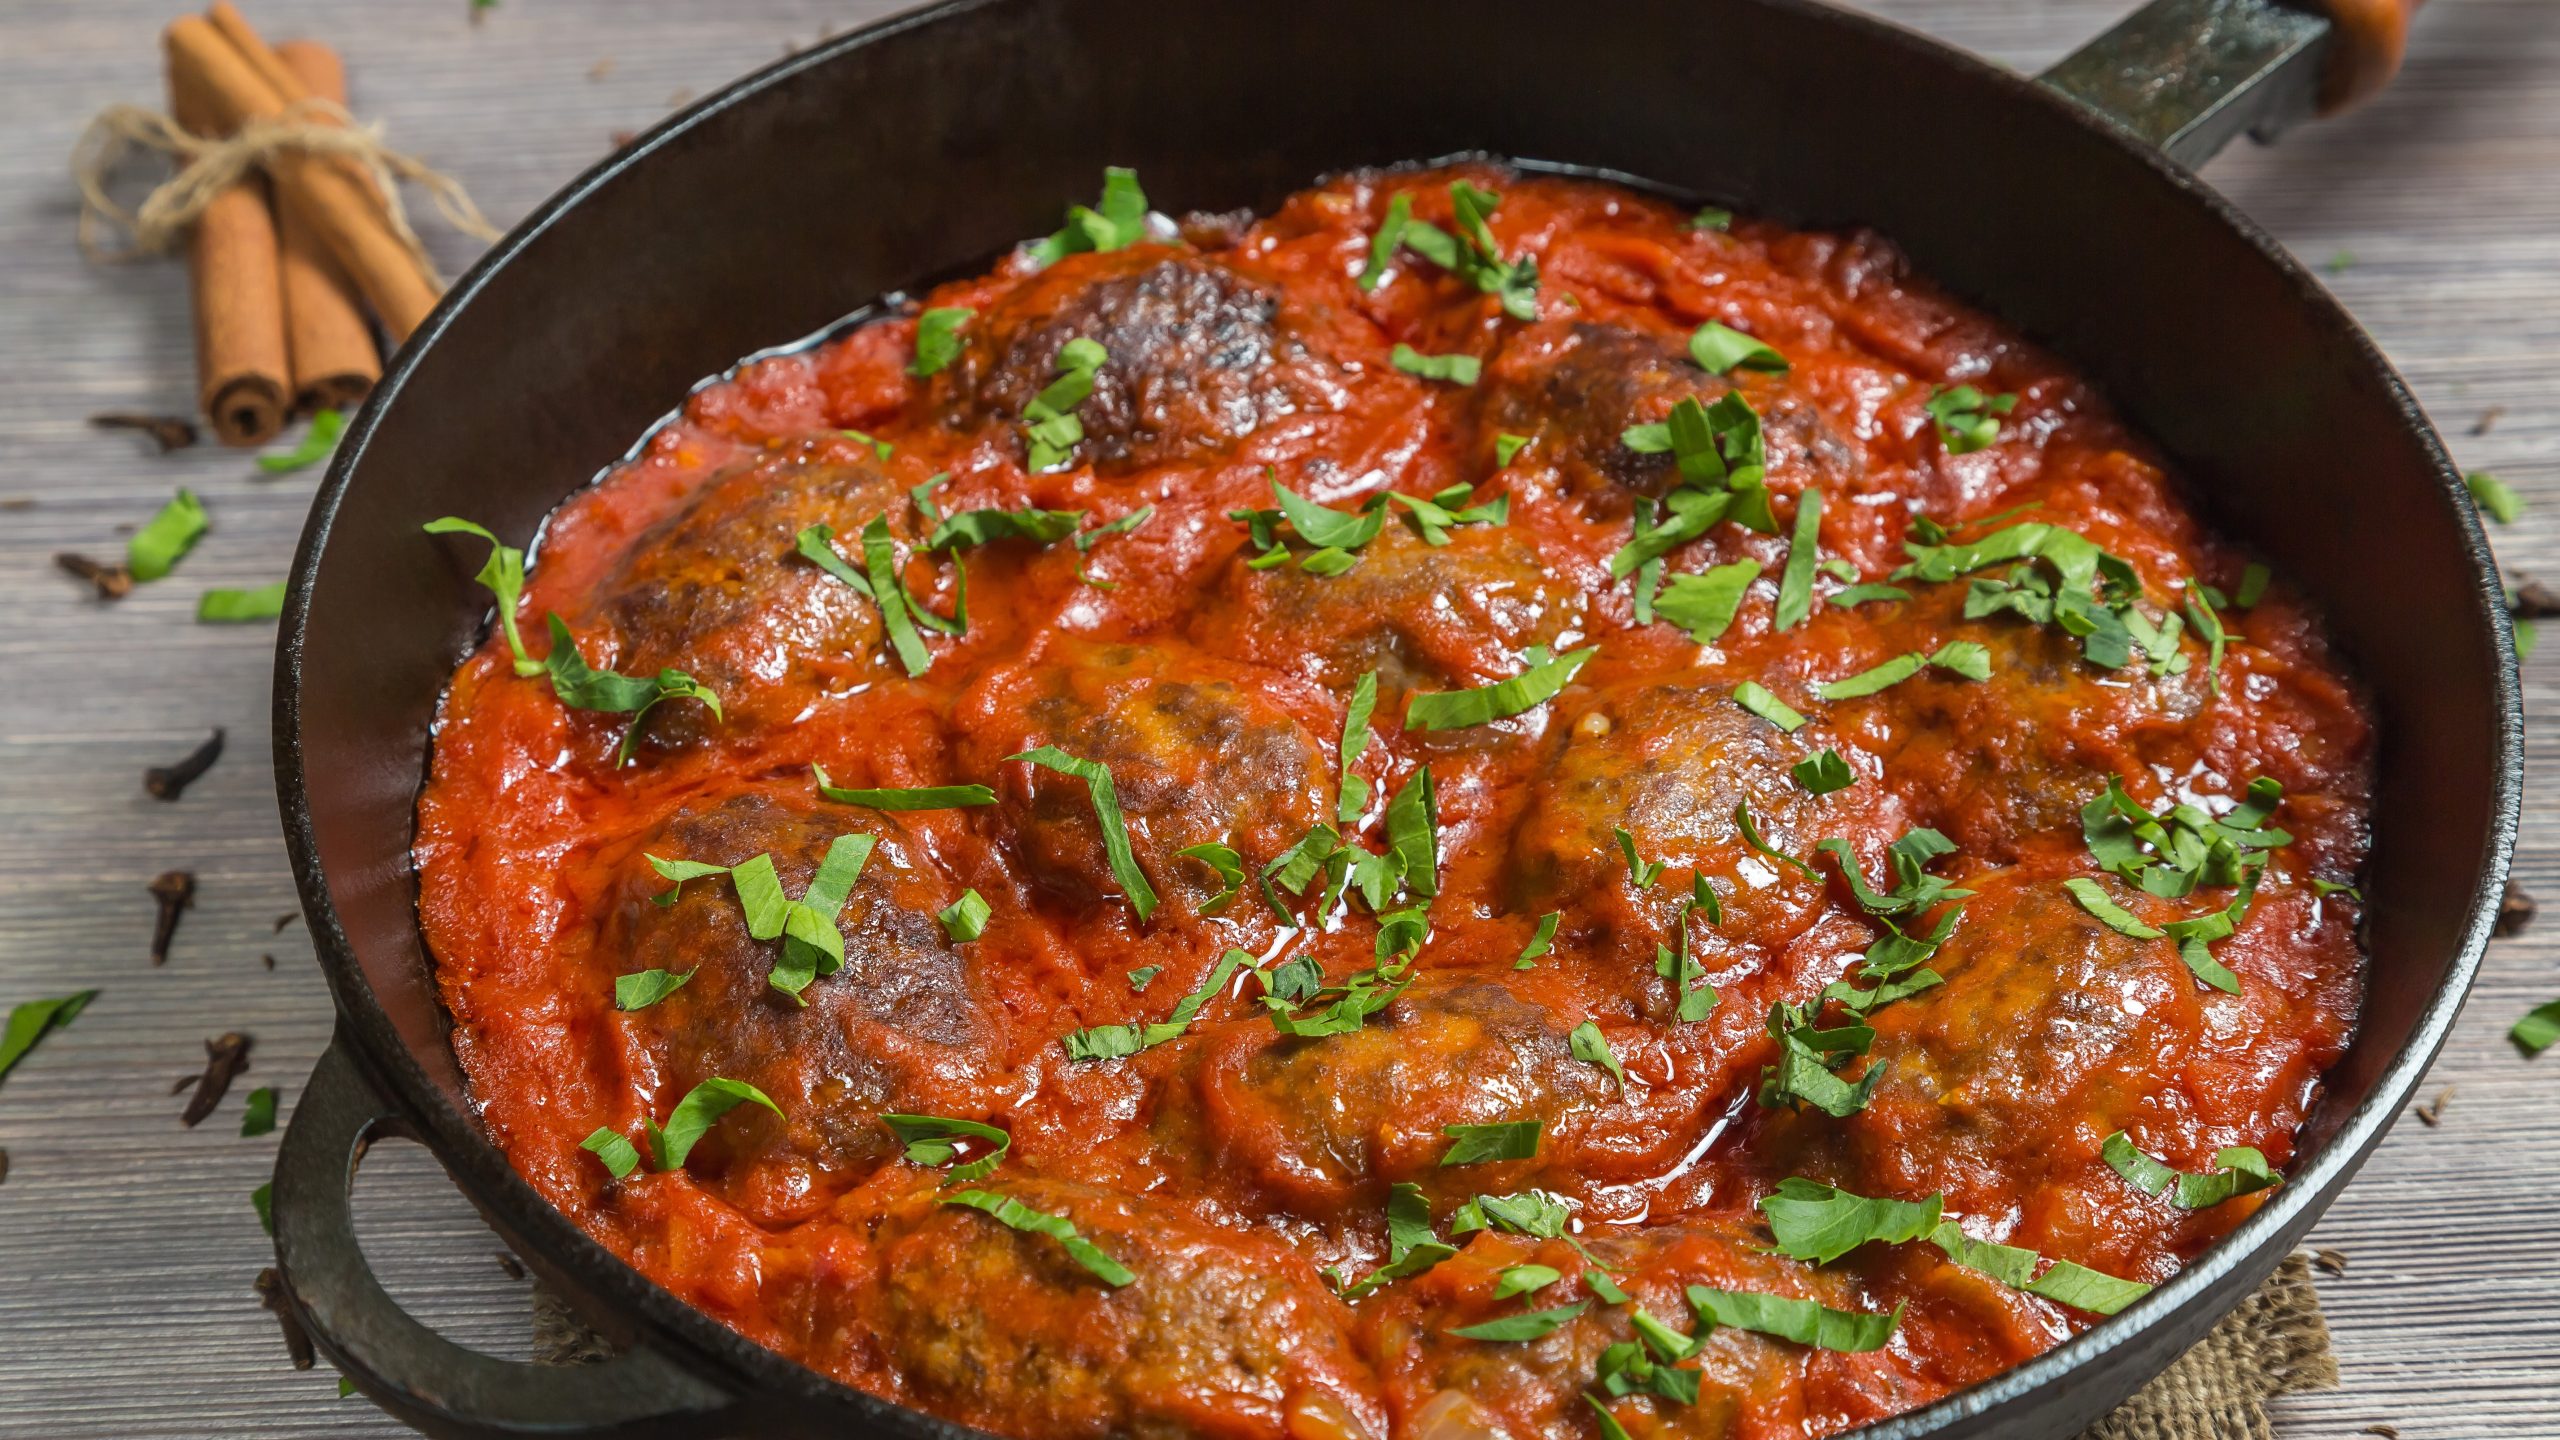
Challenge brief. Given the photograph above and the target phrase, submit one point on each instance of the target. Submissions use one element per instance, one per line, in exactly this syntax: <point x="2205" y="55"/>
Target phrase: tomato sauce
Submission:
<point x="1228" y="1166"/>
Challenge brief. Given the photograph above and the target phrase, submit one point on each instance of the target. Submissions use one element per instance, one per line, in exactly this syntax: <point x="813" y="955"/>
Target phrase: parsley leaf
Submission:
<point x="1352" y="794"/>
<point x="1795" y="584"/>
<point x="583" y="687"/>
<point x="2490" y="493"/>
<point x="1225" y="862"/>
<point x="936" y="1140"/>
<point x="643" y="988"/>
<point x="1964" y="417"/>
<point x="32" y="1020"/>
<point x="1517" y="1280"/>
<point x="1803" y="1321"/>
<point x="1015" y="1215"/>
<point x="619" y="1156"/>
<point x="1506" y="446"/>
<point x="220" y="606"/>
<point x="1052" y="427"/>
<point x="1112" y="1042"/>
<point x="1641" y="874"/>
<point x="1382" y="246"/>
<point x="938" y="339"/>
<point x="503" y="575"/>
<point x="1705" y="604"/>
<point x="1106" y="813"/>
<point x="1963" y="658"/>
<point x="1865" y="594"/>
<point x="1411" y="1247"/>
<point x="1542" y="677"/>
<point x="924" y="797"/>
<point x="1435" y="517"/>
<point x="2534" y="1033"/>
<point x="1455" y="369"/>
<point x="985" y="527"/>
<point x="1823" y="772"/>
<point x="1711" y="217"/>
<point x="1530" y="1326"/>
<point x="694" y="1115"/>
<point x="1818" y="1223"/>
<point x="1751" y="695"/>
<point x="2242" y="1170"/>
<point x="1540" y="943"/>
<point x="167" y="536"/>
<point x="2093" y="898"/>
<point x="1119" y="221"/>
<point x="2066" y="1283"/>
<point x="1489" y="1144"/>
<point x="1719" y="348"/>
<point x="964" y="919"/>
<point x="1591" y="1047"/>
<point x="316" y="445"/>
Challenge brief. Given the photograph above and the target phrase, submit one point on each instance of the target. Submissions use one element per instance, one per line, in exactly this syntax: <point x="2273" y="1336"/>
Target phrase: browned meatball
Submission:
<point x="1325" y="1125"/>
<point x="902" y="1026"/>
<point x="1668" y="762"/>
<point x="1221" y="1333"/>
<point x="1200" y="355"/>
<point x="1198" y="754"/>
<point x="1423" y="616"/>
<point x="1575" y="387"/>
<point x="1747" y="1381"/>
<point x="717" y="590"/>
<point x="1995" y="765"/>
<point x="2052" y="1029"/>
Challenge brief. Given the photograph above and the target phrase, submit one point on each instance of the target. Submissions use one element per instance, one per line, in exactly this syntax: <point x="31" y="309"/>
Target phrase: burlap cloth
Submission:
<point x="2274" y="1344"/>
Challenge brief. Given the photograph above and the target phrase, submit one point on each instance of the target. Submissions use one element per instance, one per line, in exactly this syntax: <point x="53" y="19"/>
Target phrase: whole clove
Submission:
<point x="2333" y="1261"/>
<point x="285" y="919"/>
<point x="2432" y="1114"/>
<point x="2488" y="419"/>
<point x="271" y="1295"/>
<point x="267" y="960"/>
<point x="170" y="432"/>
<point x="184" y="1083"/>
<point x="225" y="1056"/>
<point x="4" y="1167"/>
<point x="168" y="782"/>
<point x="2530" y="599"/>
<point x="175" y="890"/>
<point x="114" y="582"/>
<point x="510" y="1264"/>
<point x="2515" y="911"/>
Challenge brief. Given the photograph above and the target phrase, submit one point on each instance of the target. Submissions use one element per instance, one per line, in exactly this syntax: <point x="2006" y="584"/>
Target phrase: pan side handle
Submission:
<point x="2190" y="76"/>
<point x="422" y="1379"/>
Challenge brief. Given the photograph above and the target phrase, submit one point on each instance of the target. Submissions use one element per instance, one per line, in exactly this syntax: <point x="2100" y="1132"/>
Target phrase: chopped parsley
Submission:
<point x="1720" y="348"/>
<point x="1818" y="1223"/>
<point x="643" y="988"/>
<point x="2532" y="1034"/>
<point x="964" y="919"/>
<point x="618" y="1155"/>
<point x="2064" y="1282"/>
<point x="1640" y="873"/>
<point x="1448" y="509"/>
<point x="1697" y="999"/>
<point x="889" y="592"/>
<point x="2240" y="1170"/>
<point x="1532" y="1325"/>
<point x="1226" y="864"/>
<point x="581" y="686"/>
<point x="1795" y="583"/>
<point x="1966" y="418"/>
<point x="1540" y="943"/>
<point x="1588" y="1045"/>
<point x="1490" y="1144"/>
<point x="1517" y="1280"/>
<point x="1506" y="447"/>
<point x="222" y="606"/>
<point x="2093" y="898"/>
<point x="1117" y="222"/>
<point x="1053" y="429"/>
<point x="1382" y="246"/>
<point x="1472" y="253"/>
<point x="1856" y="595"/>
<point x="316" y="445"/>
<point x="936" y="1140"/>
<point x="693" y="1117"/>
<point x="1823" y="772"/>
<point x="1705" y="604"/>
<point x="2490" y="493"/>
<point x="1751" y="695"/>
<point x="1539" y="681"/>
<point x="1352" y="793"/>
<point x="1106" y="813"/>
<point x="1711" y="217"/>
<point x="985" y="527"/>
<point x="1454" y="369"/>
<point x="1803" y="1321"/>
<point x="923" y="797"/>
<point x="1964" y="658"/>
<point x="1751" y="837"/>
<point x="1142" y="977"/>
<point x="1112" y="1042"/>
<point x="2093" y="596"/>
<point x="503" y="576"/>
<point x="32" y="1020"/>
<point x="1411" y="1247"/>
<point x="938" y="338"/>
<point x="815" y="544"/>
<point x="1015" y="1215"/>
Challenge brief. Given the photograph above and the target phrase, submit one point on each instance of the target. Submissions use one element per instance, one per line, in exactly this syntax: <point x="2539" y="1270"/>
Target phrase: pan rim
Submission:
<point x="694" y="1337"/>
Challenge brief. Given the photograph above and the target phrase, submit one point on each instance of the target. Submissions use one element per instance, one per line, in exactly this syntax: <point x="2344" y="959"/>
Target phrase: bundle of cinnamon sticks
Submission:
<point x="283" y="261"/>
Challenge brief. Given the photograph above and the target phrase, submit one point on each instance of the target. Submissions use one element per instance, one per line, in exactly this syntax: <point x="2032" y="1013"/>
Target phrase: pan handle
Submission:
<point x="2190" y="76"/>
<point x="422" y="1379"/>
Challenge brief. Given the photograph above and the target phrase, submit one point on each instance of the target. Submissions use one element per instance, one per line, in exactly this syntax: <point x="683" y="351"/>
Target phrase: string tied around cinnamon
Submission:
<point x="207" y="167"/>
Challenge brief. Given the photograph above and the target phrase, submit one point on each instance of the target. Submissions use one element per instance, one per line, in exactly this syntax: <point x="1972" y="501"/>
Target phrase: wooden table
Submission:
<point x="127" y="1243"/>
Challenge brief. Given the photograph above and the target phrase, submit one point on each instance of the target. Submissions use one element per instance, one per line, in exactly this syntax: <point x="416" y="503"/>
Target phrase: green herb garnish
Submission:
<point x="221" y="606"/>
<point x="1719" y="348"/>
<point x="964" y="919"/>
<point x="1751" y="695"/>
<point x="1106" y="813"/>
<point x="1453" y="369"/>
<point x="1541" y="678"/>
<point x="1530" y="1326"/>
<point x="1015" y="1215"/>
<point x="1489" y="1144"/>
<point x="163" y="540"/>
<point x="643" y="988"/>
<point x="1965" y="417"/>
<point x="2241" y="1170"/>
<point x="934" y="1141"/>
<point x="315" y="446"/>
<point x="1113" y="1042"/>
<point x="693" y="1117"/>
<point x="1705" y="604"/>
<point x="938" y="338"/>
<point x="1823" y="772"/>
<point x="1116" y="223"/>
<point x="922" y="797"/>
<point x="1802" y="1321"/>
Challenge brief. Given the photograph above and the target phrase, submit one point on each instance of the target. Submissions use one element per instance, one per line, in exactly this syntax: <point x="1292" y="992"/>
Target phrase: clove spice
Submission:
<point x="2515" y="911"/>
<point x="175" y="890"/>
<point x="297" y="1341"/>
<point x="224" y="1058"/>
<point x="168" y="782"/>
<point x="2530" y="599"/>
<point x="2333" y="1261"/>
<point x="169" y="432"/>
<point x="114" y="582"/>
<point x="2432" y="1114"/>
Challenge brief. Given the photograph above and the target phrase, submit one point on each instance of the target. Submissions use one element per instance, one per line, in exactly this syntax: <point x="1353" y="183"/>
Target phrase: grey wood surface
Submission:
<point x="127" y="1244"/>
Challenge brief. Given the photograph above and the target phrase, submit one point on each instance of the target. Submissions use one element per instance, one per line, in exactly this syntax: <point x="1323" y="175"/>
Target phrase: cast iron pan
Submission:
<point x="891" y="155"/>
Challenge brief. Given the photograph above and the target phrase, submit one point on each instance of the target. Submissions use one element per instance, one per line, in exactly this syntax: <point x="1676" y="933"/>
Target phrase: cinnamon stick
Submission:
<point x="331" y="347"/>
<point x="233" y="259"/>
<point x="336" y="202"/>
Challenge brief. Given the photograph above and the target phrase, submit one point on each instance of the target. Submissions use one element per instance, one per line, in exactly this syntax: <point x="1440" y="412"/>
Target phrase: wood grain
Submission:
<point x="127" y="1244"/>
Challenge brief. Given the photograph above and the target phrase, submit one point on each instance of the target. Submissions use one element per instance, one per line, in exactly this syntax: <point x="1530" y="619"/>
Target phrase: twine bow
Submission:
<point x="207" y="167"/>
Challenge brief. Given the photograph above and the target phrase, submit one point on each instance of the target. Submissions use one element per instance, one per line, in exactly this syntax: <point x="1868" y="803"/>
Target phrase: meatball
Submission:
<point x="1198" y="754"/>
<point x="1668" y="761"/>
<point x="1996" y="765"/>
<point x="1325" y="1125"/>
<point x="1221" y="1333"/>
<point x="1200" y="356"/>
<point x="902" y="1026"/>
<point x="1575" y="387"/>
<point x="717" y="590"/>
<point x="1749" y="1383"/>
<point x="2051" y="1029"/>
<point x="1424" y="616"/>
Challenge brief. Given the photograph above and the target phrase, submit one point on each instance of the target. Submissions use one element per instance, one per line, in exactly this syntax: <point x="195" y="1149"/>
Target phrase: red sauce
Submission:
<point x="1227" y="1166"/>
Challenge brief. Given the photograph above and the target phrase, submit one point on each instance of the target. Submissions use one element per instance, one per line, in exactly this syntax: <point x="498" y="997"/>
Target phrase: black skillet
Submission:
<point x="893" y="154"/>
